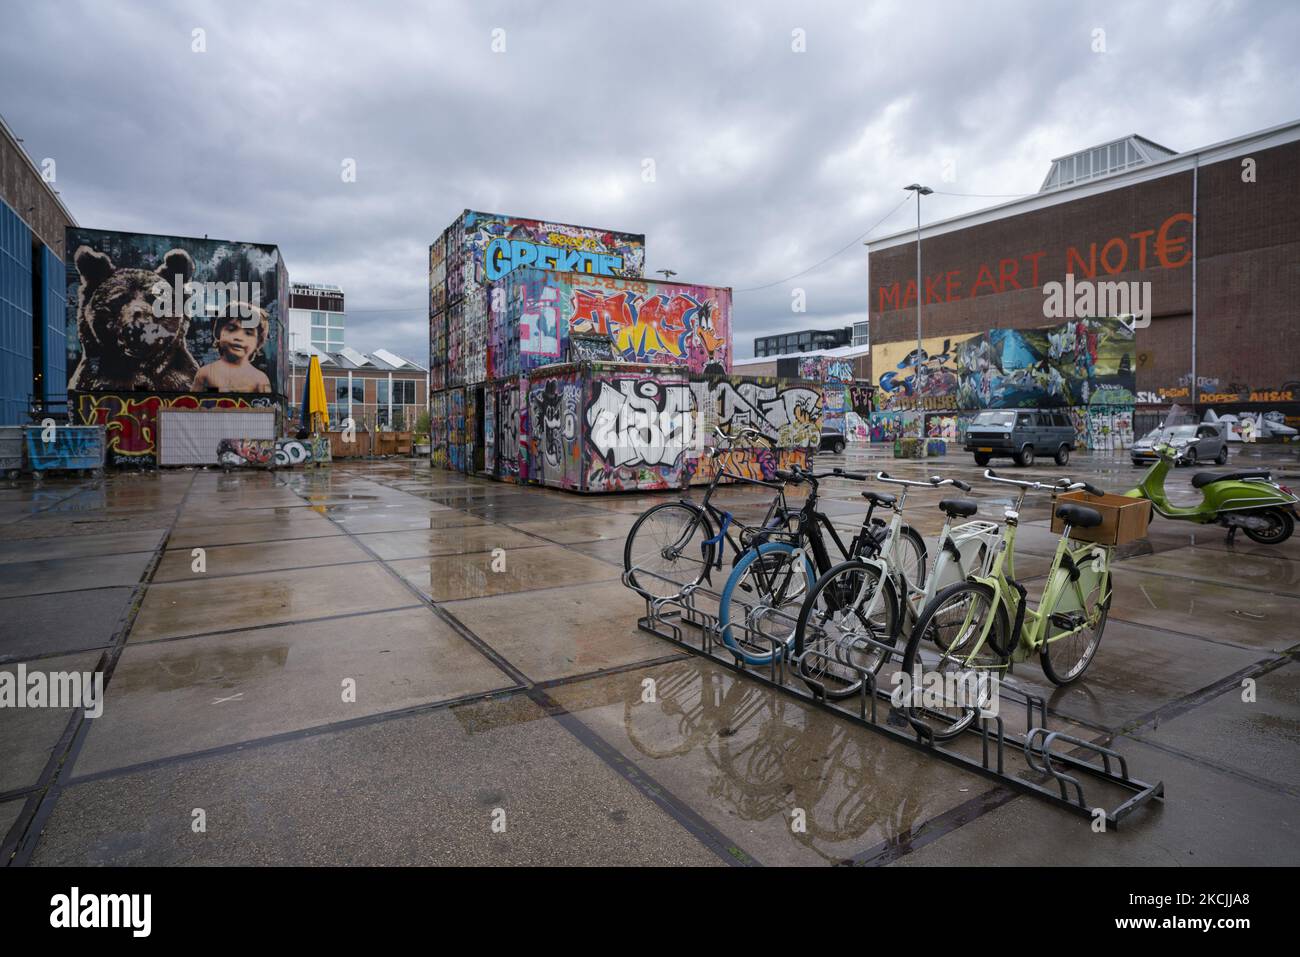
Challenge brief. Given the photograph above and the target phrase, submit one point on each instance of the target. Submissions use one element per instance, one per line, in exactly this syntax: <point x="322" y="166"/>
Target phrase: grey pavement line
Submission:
<point x="142" y="642"/>
<point x="17" y="659"/>
<point x="1266" y="784"/>
<point x="64" y="755"/>
<point x="934" y="828"/>
<point x="298" y="734"/>
<point x="681" y="812"/>
<point x="343" y="724"/>
<point x="206" y="576"/>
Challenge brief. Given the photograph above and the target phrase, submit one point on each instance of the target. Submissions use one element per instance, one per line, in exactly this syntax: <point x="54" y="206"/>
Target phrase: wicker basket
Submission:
<point x="1123" y="519"/>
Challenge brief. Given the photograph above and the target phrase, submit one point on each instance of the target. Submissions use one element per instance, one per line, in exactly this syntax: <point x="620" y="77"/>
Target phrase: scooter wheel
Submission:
<point x="1281" y="525"/>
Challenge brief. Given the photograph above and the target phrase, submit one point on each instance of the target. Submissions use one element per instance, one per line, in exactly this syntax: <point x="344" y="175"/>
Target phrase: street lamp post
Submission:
<point x="916" y="375"/>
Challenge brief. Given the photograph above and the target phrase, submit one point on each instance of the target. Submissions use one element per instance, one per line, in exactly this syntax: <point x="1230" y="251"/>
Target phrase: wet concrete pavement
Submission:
<point x="382" y="663"/>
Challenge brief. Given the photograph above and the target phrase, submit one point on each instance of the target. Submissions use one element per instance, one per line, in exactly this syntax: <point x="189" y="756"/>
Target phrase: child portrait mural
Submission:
<point x="168" y="314"/>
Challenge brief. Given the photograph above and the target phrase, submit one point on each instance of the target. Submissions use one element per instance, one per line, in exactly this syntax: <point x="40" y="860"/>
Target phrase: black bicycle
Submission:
<point x="758" y="609"/>
<point x="672" y="548"/>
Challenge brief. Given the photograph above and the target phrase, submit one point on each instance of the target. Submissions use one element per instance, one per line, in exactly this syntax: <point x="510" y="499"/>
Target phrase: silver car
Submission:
<point x="1192" y="444"/>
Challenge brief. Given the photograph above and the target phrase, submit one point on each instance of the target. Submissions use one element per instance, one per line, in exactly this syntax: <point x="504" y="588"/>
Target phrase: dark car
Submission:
<point x="832" y="441"/>
<point x="1020" y="434"/>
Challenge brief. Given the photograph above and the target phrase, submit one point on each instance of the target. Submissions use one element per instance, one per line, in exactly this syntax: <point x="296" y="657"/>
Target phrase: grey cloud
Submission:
<point x="767" y="160"/>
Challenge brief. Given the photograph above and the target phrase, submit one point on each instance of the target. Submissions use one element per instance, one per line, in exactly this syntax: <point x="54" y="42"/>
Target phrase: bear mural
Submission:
<point x="167" y="314"/>
<point x="126" y="345"/>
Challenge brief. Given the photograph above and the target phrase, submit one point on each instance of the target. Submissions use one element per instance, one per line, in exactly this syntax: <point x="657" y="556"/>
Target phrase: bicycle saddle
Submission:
<point x="959" y="507"/>
<point x="1201" y="479"/>
<point x="879" y="498"/>
<point x="1080" y="516"/>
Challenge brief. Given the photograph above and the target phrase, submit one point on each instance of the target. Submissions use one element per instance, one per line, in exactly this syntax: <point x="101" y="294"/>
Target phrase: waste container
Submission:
<point x="65" y="447"/>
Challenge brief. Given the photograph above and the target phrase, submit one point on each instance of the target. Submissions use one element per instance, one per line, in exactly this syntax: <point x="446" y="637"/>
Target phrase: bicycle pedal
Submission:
<point x="1068" y="621"/>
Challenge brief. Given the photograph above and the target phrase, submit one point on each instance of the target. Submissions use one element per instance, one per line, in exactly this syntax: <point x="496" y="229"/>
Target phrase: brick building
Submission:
<point x="1215" y="231"/>
<point x="380" y="390"/>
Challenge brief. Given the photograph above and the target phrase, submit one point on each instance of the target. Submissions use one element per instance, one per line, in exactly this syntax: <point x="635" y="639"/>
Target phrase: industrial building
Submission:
<point x="379" y="390"/>
<point x="1211" y="237"/>
<point x="33" y="377"/>
<point x="317" y="317"/>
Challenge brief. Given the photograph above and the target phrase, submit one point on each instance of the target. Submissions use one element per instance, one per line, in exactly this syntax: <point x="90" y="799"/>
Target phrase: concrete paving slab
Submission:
<point x="38" y="625"/>
<point x="171" y="698"/>
<point x="79" y="546"/>
<point x="28" y="735"/>
<point x="171" y="609"/>
<point x="10" y="812"/>
<point x="278" y="530"/>
<point x="745" y="758"/>
<point x="448" y="578"/>
<point x="1252" y="618"/>
<point x="1209" y="818"/>
<point x="1208" y="564"/>
<point x="1258" y="738"/>
<point x="447" y="541"/>
<point x="67" y="574"/>
<point x="579" y="529"/>
<point x="417" y="790"/>
<point x="1137" y="670"/>
<point x="177" y="563"/>
<point x="574" y="631"/>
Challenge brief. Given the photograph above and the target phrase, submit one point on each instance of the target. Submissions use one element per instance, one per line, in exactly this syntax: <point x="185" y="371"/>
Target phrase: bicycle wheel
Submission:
<point x="758" y="610"/>
<point x="845" y="610"/>
<point x="953" y="621"/>
<point x="1065" y="659"/>
<point x="911" y="556"/>
<point x="666" y="545"/>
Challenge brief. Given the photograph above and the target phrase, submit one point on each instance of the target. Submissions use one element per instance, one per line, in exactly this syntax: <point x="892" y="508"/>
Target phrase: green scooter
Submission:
<point x="1247" y="499"/>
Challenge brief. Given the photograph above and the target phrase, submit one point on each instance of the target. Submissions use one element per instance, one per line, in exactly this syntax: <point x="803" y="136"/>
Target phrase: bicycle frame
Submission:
<point x="1070" y="578"/>
<point x="957" y="545"/>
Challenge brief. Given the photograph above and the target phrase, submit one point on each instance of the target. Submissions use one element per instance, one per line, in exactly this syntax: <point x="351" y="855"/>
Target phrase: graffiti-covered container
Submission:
<point x="536" y="311"/>
<point x="72" y="447"/>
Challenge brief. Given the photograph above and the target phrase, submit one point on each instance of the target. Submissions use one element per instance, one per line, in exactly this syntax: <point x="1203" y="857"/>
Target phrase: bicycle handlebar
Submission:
<point x="934" y="482"/>
<point x="1060" y="485"/>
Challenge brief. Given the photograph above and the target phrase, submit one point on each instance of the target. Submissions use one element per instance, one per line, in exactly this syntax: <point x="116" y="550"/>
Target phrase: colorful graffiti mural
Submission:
<point x="1077" y="363"/>
<point x="246" y="453"/>
<point x="614" y="426"/>
<point x="537" y="312"/>
<point x="480" y="249"/>
<point x="313" y="450"/>
<point x="825" y="369"/>
<point x="171" y="314"/>
<point x="555" y="435"/>
<point x="64" y="447"/>
<point x="131" y="421"/>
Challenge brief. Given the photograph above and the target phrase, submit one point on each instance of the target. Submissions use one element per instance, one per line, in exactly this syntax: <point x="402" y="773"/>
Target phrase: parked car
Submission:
<point x="1192" y="443"/>
<point x="1021" y="434"/>
<point x="832" y="441"/>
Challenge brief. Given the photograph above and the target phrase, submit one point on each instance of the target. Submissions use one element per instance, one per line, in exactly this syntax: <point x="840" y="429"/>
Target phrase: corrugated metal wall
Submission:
<point x="15" y="317"/>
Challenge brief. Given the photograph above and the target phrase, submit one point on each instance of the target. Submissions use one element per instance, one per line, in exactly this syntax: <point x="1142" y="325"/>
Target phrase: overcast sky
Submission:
<point x="766" y="160"/>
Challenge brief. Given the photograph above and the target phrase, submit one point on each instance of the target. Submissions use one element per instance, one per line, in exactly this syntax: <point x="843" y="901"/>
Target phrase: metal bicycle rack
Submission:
<point x="1060" y="772"/>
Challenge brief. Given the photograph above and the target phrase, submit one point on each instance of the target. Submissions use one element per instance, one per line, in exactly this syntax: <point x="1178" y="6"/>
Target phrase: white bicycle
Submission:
<point x="852" y="618"/>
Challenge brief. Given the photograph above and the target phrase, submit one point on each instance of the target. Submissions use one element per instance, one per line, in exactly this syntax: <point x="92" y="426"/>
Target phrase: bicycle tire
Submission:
<point x="870" y="659"/>
<point x="998" y="637"/>
<point x="734" y="581"/>
<point x="656" y="586"/>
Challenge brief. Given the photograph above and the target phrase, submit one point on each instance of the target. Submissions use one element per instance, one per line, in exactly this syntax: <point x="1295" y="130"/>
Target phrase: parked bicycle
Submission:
<point x="983" y="626"/>
<point x="674" y="547"/>
<point x="855" y="612"/>
<point x="758" y="611"/>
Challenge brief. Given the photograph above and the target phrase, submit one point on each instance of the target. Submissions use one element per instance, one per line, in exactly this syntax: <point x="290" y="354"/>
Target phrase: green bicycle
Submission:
<point x="979" y="627"/>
